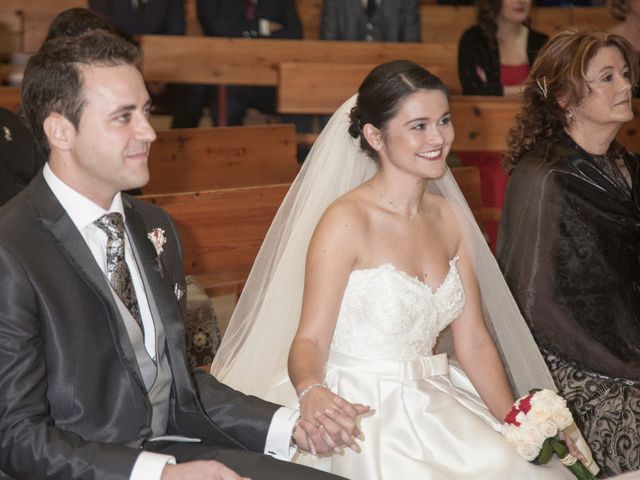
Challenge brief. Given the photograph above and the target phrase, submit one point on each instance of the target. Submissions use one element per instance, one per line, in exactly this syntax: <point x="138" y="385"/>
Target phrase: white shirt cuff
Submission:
<point x="149" y="466"/>
<point x="264" y="28"/>
<point x="278" y="442"/>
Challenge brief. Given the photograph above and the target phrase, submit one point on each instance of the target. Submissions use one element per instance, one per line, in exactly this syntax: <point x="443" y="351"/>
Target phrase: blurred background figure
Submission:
<point x="149" y="17"/>
<point x="20" y="159"/>
<point x="371" y="20"/>
<point x="572" y="196"/>
<point x="627" y="12"/>
<point x="76" y="21"/>
<point x="247" y="19"/>
<point x="138" y="17"/>
<point x="494" y="57"/>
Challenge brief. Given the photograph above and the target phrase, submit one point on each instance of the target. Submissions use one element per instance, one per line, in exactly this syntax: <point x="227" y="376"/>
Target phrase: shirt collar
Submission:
<point x="81" y="210"/>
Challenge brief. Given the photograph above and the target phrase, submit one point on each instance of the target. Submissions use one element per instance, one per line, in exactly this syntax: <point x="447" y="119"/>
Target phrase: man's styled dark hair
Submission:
<point x="53" y="81"/>
<point x="73" y="22"/>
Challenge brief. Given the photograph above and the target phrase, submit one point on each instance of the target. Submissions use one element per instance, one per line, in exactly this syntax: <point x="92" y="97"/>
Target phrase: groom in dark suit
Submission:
<point x="94" y="382"/>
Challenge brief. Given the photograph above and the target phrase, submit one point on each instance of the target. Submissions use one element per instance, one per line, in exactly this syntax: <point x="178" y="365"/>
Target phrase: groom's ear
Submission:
<point x="373" y="136"/>
<point x="60" y="132"/>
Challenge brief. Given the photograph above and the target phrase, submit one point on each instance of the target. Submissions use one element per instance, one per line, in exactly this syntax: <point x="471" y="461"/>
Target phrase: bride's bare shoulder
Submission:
<point x="348" y="213"/>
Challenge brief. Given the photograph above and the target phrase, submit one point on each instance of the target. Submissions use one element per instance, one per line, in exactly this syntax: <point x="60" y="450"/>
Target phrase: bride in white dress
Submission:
<point x="391" y="264"/>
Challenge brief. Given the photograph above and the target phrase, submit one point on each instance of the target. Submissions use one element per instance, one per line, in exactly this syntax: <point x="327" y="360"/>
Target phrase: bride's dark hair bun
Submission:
<point x="355" y="124"/>
<point x="381" y="92"/>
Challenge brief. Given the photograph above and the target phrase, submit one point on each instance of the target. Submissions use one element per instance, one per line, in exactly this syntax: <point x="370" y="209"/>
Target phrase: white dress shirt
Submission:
<point x="83" y="212"/>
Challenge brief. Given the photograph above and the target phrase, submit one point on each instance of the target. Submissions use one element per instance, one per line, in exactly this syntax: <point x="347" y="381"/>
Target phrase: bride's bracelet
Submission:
<point x="308" y="388"/>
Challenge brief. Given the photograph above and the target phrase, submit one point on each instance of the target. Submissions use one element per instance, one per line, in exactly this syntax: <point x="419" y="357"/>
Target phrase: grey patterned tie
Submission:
<point x="117" y="271"/>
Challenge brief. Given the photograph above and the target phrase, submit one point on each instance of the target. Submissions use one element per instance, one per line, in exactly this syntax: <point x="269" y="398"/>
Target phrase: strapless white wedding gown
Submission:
<point x="428" y="421"/>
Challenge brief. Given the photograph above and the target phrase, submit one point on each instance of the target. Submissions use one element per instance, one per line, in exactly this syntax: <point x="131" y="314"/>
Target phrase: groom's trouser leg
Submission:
<point x="255" y="465"/>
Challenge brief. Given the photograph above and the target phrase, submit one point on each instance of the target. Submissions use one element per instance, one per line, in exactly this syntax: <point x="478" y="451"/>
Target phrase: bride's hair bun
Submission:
<point x="381" y="93"/>
<point x="355" y="124"/>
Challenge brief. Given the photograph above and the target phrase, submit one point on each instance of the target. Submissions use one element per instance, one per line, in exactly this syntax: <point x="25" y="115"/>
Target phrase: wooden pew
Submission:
<point x="189" y="160"/>
<point x="10" y="98"/>
<point x="310" y="12"/>
<point x="37" y="16"/>
<point x="321" y="87"/>
<point x="11" y="27"/>
<point x="481" y="123"/>
<point x="240" y="61"/>
<point x="592" y="17"/>
<point x="221" y="231"/>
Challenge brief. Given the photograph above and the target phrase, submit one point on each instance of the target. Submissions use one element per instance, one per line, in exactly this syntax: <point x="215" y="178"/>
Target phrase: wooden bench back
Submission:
<point x="481" y="122"/>
<point x="37" y="16"/>
<point x="240" y="61"/>
<point x="322" y="87"/>
<point x="222" y="230"/>
<point x="191" y="160"/>
<point x="447" y="23"/>
<point x="11" y="27"/>
<point x="10" y="98"/>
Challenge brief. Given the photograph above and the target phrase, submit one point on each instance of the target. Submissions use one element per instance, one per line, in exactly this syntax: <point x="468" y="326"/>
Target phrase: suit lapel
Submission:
<point x="70" y="241"/>
<point x="160" y="290"/>
<point x="148" y="260"/>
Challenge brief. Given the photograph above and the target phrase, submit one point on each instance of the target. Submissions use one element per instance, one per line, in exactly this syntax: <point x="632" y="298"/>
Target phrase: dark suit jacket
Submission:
<point x="160" y="17"/>
<point x="393" y="21"/>
<point x="72" y="401"/>
<point x="225" y="18"/>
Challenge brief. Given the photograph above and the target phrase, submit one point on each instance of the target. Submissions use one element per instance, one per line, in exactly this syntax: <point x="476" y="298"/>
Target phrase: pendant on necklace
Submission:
<point x="410" y="217"/>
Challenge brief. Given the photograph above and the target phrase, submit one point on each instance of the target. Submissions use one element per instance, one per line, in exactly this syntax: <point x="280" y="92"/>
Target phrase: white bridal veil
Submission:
<point x="254" y="351"/>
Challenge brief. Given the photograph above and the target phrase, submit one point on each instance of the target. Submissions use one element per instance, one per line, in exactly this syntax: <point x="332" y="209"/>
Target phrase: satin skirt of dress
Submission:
<point x="428" y="423"/>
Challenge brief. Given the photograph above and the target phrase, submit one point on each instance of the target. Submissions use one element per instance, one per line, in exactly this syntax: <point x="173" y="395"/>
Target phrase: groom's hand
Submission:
<point x="200" y="470"/>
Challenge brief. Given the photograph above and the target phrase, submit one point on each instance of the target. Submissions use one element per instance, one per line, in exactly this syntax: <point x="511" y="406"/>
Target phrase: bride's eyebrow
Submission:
<point x="426" y="119"/>
<point x="419" y="119"/>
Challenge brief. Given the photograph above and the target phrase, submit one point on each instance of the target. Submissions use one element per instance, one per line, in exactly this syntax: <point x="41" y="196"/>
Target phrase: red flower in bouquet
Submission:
<point x="533" y="425"/>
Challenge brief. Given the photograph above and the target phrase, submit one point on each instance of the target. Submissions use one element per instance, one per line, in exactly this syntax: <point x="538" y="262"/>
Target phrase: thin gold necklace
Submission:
<point x="393" y="205"/>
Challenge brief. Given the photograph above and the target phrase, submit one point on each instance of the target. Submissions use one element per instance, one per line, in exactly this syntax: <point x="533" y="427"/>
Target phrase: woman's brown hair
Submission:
<point x="557" y="83"/>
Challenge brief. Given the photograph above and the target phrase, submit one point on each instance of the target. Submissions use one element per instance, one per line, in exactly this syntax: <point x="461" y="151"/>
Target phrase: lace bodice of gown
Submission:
<point x="387" y="314"/>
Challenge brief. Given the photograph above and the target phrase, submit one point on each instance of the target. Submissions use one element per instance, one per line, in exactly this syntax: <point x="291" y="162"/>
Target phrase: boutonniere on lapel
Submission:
<point x="158" y="240"/>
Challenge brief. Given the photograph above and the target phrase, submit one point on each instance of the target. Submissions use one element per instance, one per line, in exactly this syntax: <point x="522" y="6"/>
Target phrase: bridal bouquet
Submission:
<point x="533" y="425"/>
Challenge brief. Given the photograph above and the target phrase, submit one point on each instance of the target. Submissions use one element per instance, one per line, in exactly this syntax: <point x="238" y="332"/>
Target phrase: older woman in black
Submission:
<point x="570" y="233"/>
